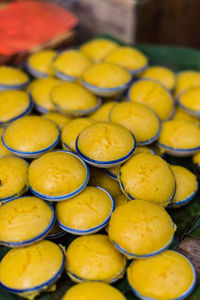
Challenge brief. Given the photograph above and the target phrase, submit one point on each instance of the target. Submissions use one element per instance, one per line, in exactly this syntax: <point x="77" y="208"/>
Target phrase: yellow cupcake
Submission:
<point x="102" y="113"/>
<point x="13" y="178"/>
<point x="14" y="104"/>
<point x="87" y="212"/>
<point x="189" y="101"/>
<point x="147" y="177"/>
<point x="131" y="115"/>
<point x="168" y="275"/>
<point x="59" y="119"/>
<point x="3" y="150"/>
<point x="36" y="267"/>
<point x="120" y="200"/>
<point x="93" y="290"/>
<point x="24" y="221"/>
<point x="70" y="65"/>
<point x="179" y="138"/>
<point x="105" y="144"/>
<point x="161" y="74"/>
<point x="74" y="99"/>
<point x="99" y="178"/>
<point x="185" y="80"/>
<point x="98" y="49"/>
<point x="71" y="131"/>
<point x="186" y="186"/>
<point x="140" y="229"/>
<point x="31" y="136"/>
<point x="12" y="78"/>
<point x="128" y="58"/>
<point x="41" y="94"/>
<point x="93" y="257"/>
<point x="39" y="63"/>
<point x="106" y="79"/>
<point x="196" y="160"/>
<point x="182" y="115"/>
<point x="155" y="96"/>
<point x="57" y="175"/>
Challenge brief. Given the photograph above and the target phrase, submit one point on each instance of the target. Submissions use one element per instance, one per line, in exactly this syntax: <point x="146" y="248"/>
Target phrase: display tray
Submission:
<point x="187" y="239"/>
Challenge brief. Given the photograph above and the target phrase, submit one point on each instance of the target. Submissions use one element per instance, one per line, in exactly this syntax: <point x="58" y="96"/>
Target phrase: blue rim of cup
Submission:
<point x="16" y="195"/>
<point x="24" y="113"/>
<point x="132" y="255"/>
<point x="14" y="86"/>
<point x="42" y="286"/>
<point x="104" y="90"/>
<point x="78" y="279"/>
<point x="66" y="146"/>
<point x="167" y="91"/>
<point x="189" y="150"/>
<point x="132" y="198"/>
<point x="34" y="72"/>
<point x="113" y="176"/>
<point x="139" y="70"/>
<point x="186" y="200"/>
<point x="35" y="239"/>
<point x="93" y="229"/>
<point x="70" y="195"/>
<point x="183" y="296"/>
<point x="34" y="153"/>
<point x="192" y="112"/>
<point x="81" y="112"/>
<point x="99" y="162"/>
<point x="55" y="236"/>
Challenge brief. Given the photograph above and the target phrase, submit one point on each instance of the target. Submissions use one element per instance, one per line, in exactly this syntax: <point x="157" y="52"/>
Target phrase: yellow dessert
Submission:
<point x="11" y="77"/>
<point x="120" y="200"/>
<point x="161" y="74"/>
<point x="147" y="177"/>
<point x="71" y="131"/>
<point x="189" y="101"/>
<point x="128" y="58"/>
<point x="70" y="65"/>
<point x="93" y="257"/>
<point x="3" y="150"/>
<point x="180" y="136"/>
<point x="33" y="220"/>
<point x="105" y="76"/>
<point x="102" y="113"/>
<point x="93" y="290"/>
<point x="87" y="212"/>
<point x="153" y="95"/>
<point x="13" y="105"/>
<point x="186" y="186"/>
<point x="59" y="119"/>
<point x="168" y="275"/>
<point x="131" y="115"/>
<point x="30" y="86"/>
<point x="185" y="80"/>
<point x="105" y="144"/>
<point x="41" y="92"/>
<point x="99" y="178"/>
<point x="74" y="99"/>
<point x="182" y="115"/>
<point x="98" y="49"/>
<point x="140" y="229"/>
<point x="13" y="177"/>
<point x="57" y="175"/>
<point x="30" y="136"/>
<point x="196" y="159"/>
<point x="39" y="63"/>
<point x="36" y="267"/>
